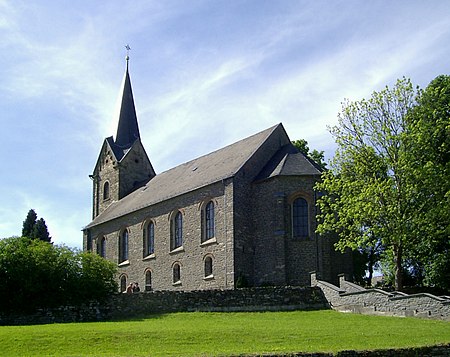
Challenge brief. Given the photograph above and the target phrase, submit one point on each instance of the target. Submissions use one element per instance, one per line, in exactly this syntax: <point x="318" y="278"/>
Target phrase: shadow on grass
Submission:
<point x="137" y="318"/>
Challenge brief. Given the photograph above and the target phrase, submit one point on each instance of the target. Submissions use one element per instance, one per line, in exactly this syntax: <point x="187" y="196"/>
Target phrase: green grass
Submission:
<point x="200" y="334"/>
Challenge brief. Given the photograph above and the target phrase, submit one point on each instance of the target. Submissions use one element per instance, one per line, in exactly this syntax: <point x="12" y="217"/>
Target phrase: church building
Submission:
<point x="243" y="215"/>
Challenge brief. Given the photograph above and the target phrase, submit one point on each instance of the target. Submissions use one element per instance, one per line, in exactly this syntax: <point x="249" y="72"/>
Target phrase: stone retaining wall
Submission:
<point x="351" y="297"/>
<point x="121" y="306"/>
<point x="427" y="351"/>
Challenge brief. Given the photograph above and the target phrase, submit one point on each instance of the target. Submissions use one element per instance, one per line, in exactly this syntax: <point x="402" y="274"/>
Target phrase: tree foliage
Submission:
<point x="368" y="189"/>
<point x="40" y="231"/>
<point x="29" y="223"/>
<point x="428" y="142"/>
<point x="388" y="189"/>
<point x="316" y="156"/>
<point x="35" y="228"/>
<point x="35" y="274"/>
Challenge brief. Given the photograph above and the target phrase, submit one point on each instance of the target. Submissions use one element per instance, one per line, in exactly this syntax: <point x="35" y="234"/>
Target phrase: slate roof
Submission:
<point x="288" y="161"/>
<point x="127" y="129"/>
<point x="205" y="170"/>
<point x="119" y="152"/>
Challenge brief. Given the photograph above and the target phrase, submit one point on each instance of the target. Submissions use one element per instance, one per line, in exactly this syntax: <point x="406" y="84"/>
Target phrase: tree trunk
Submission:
<point x="398" y="269"/>
<point x="370" y="266"/>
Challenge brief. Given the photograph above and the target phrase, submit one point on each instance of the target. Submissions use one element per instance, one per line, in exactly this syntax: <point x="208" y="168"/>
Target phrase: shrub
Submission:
<point x="36" y="274"/>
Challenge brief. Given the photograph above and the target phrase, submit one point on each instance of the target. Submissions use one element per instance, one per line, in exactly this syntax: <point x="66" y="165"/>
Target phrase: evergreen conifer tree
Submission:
<point x="29" y="223"/>
<point x="35" y="228"/>
<point x="40" y="231"/>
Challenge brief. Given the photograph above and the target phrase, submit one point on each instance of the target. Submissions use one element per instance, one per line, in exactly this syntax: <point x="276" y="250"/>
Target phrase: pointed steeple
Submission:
<point x="123" y="165"/>
<point x="127" y="129"/>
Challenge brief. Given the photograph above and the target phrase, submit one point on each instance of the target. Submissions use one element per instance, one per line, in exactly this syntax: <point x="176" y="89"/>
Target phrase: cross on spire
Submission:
<point x="127" y="58"/>
<point x="127" y="130"/>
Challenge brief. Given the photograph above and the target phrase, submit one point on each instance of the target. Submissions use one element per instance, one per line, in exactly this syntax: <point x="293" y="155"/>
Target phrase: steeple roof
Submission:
<point x="127" y="129"/>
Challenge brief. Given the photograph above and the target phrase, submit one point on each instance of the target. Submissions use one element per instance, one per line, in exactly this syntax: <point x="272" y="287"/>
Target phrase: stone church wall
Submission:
<point x="190" y="256"/>
<point x="135" y="169"/>
<point x="246" y="213"/>
<point x="243" y="227"/>
<point x="105" y="171"/>
<point x="253" y="238"/>
<point x="280" y="259"/>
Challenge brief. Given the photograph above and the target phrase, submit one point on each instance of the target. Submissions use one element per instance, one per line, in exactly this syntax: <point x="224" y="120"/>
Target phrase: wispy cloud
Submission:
<point x="204" y="75"/>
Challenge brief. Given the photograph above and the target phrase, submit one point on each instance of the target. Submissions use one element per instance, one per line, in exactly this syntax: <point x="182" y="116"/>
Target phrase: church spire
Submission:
<point x="127" y="129"/>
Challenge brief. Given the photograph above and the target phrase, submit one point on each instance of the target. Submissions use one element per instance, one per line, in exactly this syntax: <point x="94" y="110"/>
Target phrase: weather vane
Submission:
<point x="128" y="48"/>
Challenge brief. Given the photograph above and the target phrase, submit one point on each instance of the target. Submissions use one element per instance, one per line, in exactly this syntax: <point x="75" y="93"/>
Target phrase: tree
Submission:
<point x="29" y="223"/>
<point x="428" y="143"/>
<point x="34" y="228"/>
<point x="316" y="156"/>
<point x="368" y="186"/>
<point x="35" y="274"/>
<point x="365" y="260"/>
<point x="40" y="231"/>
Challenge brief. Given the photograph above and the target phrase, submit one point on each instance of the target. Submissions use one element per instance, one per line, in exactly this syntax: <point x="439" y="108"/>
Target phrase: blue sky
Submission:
<point x="204" y="74"/>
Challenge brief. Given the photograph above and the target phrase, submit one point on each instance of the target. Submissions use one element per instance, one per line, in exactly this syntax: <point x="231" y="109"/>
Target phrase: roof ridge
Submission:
<point x="271" y="129"/>
<point x="283" y="162"/>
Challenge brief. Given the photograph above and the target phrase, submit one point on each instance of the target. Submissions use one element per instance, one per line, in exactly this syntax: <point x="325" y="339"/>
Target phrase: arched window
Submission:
<point x="208" y="266"/>
<point x="106" y="190"/>
<point x="208" y="222"/>
<point x="149" y="239"/>
<point x="88" y="240"/>
<point x="123" y="283"/>
<point x="177" y="231"/>
<point x="176" y="273"/>
<point x="300" y="218"/>
<point x="101" y="247"/>
<point x="148" y="280"/>
<point x="123" y="246"/>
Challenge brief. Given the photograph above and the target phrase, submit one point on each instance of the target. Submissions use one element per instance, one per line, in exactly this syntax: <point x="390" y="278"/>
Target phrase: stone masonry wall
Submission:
<point x="124" y="306"/>
<point x="249" y="299"/>
<point x="122" y="176"/>
<point x="350" y="297"/>
<point x="192" y="253"/>
<point x="280" y="259"/>
<point x="105" y="171"/>
<point x="135" y="167"/>
<point x="244" y="213"/>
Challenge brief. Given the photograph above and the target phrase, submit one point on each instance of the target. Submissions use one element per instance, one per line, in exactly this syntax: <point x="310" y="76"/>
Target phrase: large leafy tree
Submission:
<point x="428" y="142"/>
<point x="368" y="185"/>
<point x="35" y="274"/>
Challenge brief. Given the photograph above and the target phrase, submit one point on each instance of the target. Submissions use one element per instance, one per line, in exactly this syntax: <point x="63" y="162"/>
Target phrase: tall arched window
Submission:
<point x="176" y="270"/>
<point x="106" y="190"/>
<point x="101" y="247"/>
<point x="209" y="221"/>
<point x="149" y="239"/>
<point x="208" y="266"/>
<point x="300" y="218"/>
<point x="88" y="240"/>
<point x="123" y="246"/>
<point x="177" y="231"/>
<point x="123" y="283"/>
<point x="148" y="280"/>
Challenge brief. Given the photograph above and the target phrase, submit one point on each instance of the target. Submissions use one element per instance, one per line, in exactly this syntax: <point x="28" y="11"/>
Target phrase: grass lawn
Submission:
<point x="200" y="334"/>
